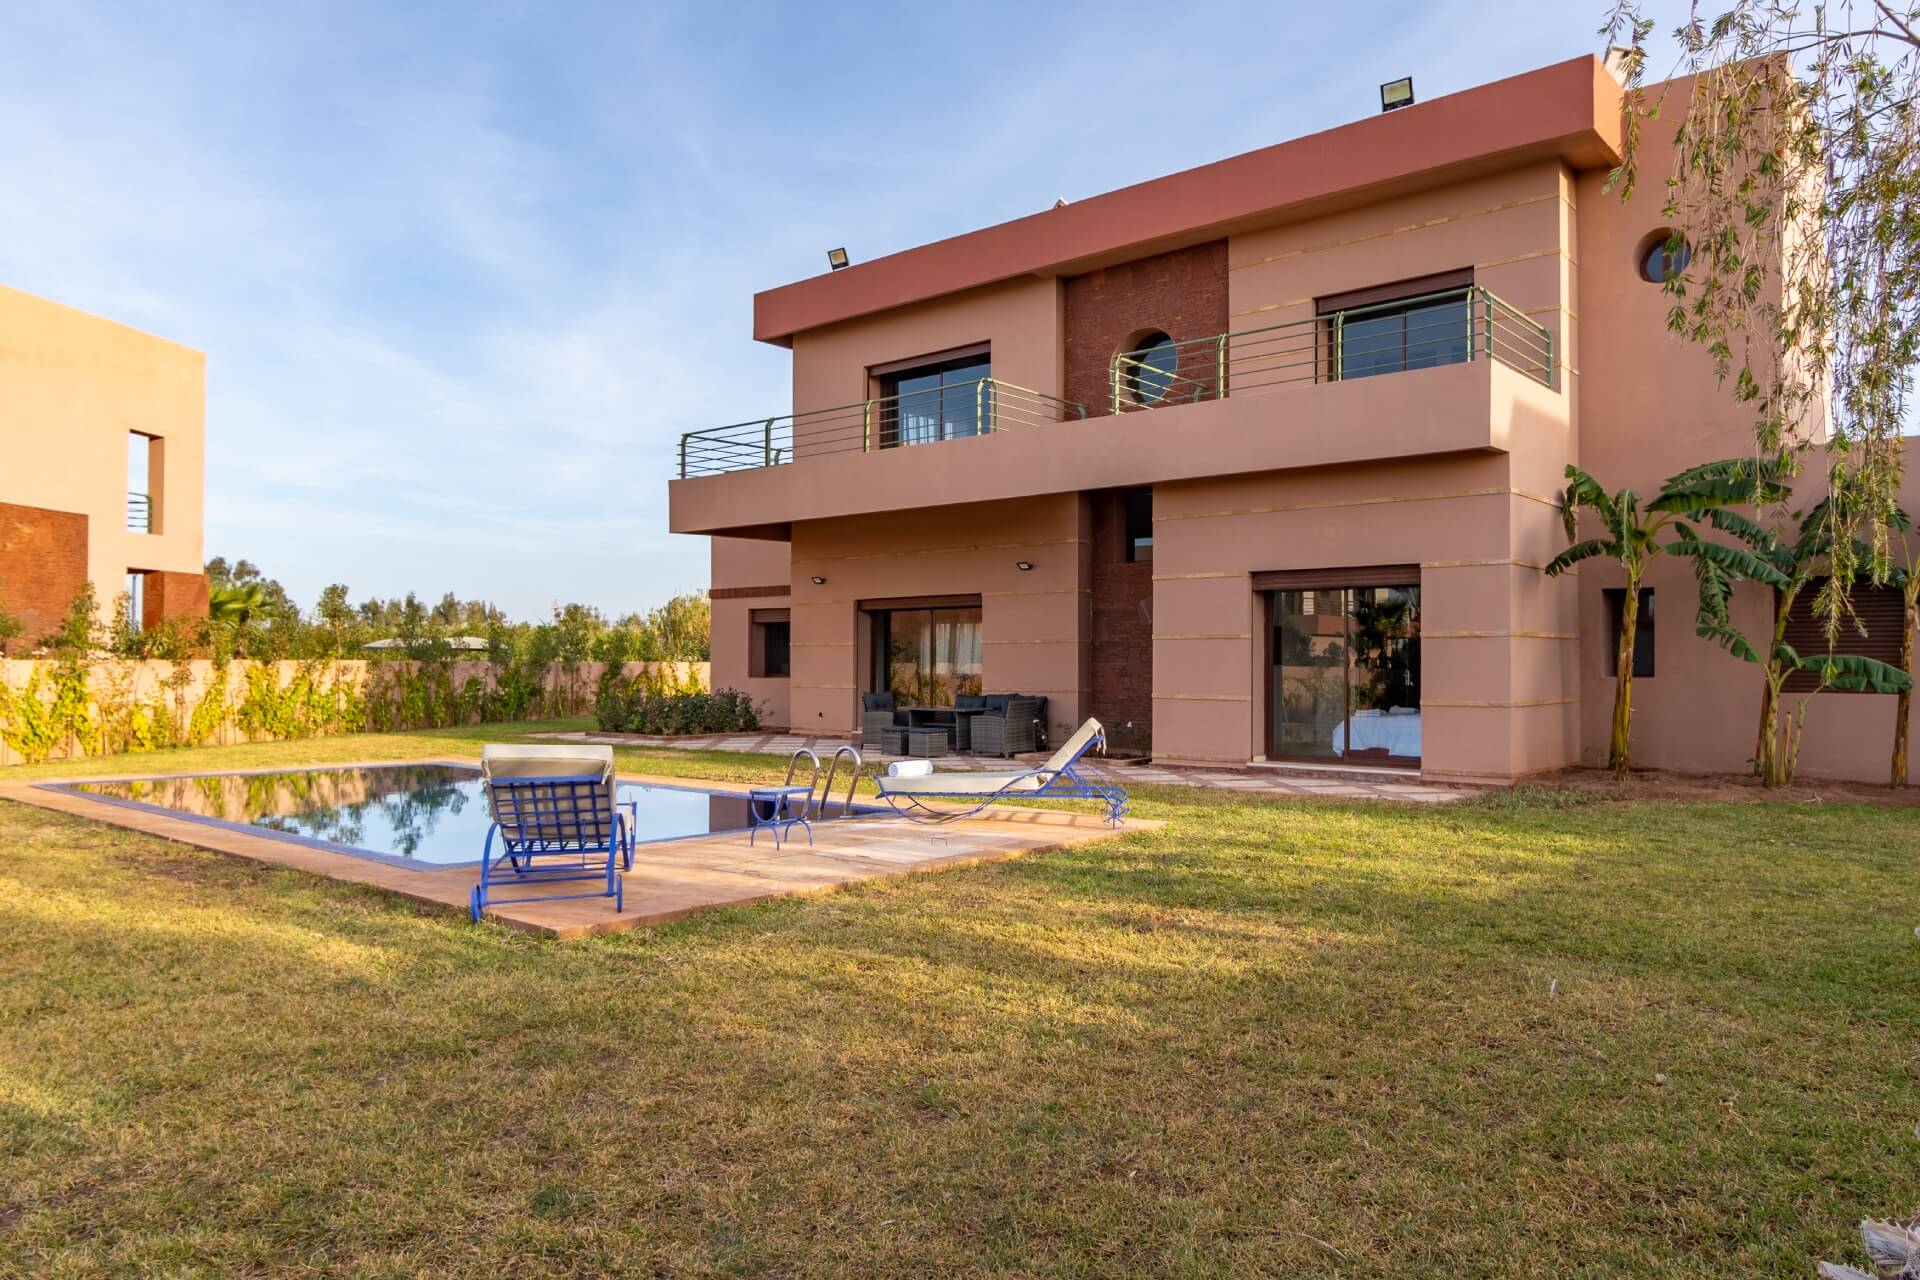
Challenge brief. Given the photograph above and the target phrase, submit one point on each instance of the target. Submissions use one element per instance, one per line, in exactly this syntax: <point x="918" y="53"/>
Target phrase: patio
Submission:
<point x="1258" y="782"/>
<point x="669" y="879"/>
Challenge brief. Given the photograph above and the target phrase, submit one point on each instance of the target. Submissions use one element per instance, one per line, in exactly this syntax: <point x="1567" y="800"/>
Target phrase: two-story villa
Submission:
<point x="1257" y="462"/>
<point x="102" y="466"/>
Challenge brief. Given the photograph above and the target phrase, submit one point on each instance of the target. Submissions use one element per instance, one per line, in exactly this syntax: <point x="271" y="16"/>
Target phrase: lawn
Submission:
<point x="1532" y="1036"/>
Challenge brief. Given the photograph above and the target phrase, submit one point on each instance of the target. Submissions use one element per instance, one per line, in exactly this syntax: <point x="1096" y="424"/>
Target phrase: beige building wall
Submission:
<point x="72" y="388"/>
<point x="1033" y="622"/>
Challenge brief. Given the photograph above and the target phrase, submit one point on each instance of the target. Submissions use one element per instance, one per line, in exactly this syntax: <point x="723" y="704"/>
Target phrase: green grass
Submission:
<point x="1513" y="1038"/>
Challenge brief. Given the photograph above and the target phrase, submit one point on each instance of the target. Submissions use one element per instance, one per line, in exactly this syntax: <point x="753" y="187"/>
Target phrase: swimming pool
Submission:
<point x="418" y="815"/>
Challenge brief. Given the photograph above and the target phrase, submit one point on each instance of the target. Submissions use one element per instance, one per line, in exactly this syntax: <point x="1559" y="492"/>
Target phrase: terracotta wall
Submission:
<point x="174" y="595"/>
<point x="1120" y="650"/>
<point x="1182" y="294"/>
<point x="43" y="563"/>
<point x="1034" y="623"/>
<point x="748" y="574"/>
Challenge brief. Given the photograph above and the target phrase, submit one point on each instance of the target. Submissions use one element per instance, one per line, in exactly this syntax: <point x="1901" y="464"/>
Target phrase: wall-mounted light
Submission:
<point x="819" y="581"/>
<point x="1023" y="566"/>
<point x="837" y="258"/>
<point x="1395" y="94"/>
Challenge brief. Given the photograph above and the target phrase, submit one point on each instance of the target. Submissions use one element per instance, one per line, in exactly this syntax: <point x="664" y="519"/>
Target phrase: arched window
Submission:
<point x="1663" y="257"/>
<point x="1146" y="372"/>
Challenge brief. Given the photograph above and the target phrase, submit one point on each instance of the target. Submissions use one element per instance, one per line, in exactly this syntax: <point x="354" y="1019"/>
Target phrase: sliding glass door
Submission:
<point x="1346" y="674"/>
<point x="927" y="657"/>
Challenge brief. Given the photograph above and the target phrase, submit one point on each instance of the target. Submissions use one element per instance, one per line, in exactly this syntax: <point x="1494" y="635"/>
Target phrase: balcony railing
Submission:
<point x="139" y="513"/>
<point x="976" y="408"/>
<point x="1450" y="327"/>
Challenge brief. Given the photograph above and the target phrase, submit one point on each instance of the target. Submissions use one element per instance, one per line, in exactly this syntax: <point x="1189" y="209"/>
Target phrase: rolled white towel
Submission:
<point x="910" y="768"/>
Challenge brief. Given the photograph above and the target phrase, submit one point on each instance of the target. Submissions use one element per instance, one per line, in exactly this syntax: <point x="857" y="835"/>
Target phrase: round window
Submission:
<point x="1664" y="257"/>
<point x="1147" y="370"/>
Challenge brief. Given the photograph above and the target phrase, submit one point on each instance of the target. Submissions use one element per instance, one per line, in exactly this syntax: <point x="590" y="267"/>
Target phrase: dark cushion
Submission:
<point x="876" y="702"/>
<point x="969" y="700"/>
<point x="996" y="703"/>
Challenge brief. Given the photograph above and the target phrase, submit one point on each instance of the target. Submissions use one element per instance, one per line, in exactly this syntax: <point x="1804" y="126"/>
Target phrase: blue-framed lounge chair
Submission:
<point x="555" y="821"/>
<point x="1060" y="778"/>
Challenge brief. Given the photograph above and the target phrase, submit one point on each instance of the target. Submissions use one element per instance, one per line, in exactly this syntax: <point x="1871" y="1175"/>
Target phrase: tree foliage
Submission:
<point x="1796" y="179"/>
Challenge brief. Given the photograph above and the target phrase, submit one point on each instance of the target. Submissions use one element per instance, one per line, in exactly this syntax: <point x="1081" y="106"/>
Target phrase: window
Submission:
<point x="143" y="473"/>
<point x="1139" y="530"/>
<point x="770" y="645"/>
<point x="1880" y="611"/>
<point x="927" y="656"/>
<point x="945" y="399"/>
<point x="1146" y="371"/>
<point x="1642" y="630"/>
<point x="1346" y="666"/>
<point x="136" y="599"/>
<point x="1664" y="257"/>
<point x="1415" y="324"/>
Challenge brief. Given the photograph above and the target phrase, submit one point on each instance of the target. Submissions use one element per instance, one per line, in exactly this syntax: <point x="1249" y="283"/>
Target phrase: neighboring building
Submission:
<point x="102" y="466"/>
<point x="1257" y="462"/>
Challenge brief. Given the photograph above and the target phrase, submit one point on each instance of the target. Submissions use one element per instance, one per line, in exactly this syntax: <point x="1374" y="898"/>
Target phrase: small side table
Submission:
<point x="928" y="742"/>
<point x="780" y="808"/>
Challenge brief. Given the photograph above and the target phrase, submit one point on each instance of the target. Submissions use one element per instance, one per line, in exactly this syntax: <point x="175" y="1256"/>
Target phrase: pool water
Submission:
<point x="419" y="814"/>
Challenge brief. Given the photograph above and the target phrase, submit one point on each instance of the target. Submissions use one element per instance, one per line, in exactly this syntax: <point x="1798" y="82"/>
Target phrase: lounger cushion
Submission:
<point x="1073" y="746"/>
<point x="514" y="760"/>
<point x="959" y="784"/>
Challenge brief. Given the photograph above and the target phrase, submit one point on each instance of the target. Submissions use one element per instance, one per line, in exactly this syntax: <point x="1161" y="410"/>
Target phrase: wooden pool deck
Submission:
<point x="670" y="879"/>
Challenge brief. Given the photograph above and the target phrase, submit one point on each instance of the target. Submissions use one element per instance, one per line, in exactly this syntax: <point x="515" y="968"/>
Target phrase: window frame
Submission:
<point x="885" y="381"/>
<point x="760" y="625"/>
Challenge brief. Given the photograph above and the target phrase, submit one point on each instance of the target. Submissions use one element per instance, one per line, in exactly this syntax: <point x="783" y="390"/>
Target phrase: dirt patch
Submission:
<point x="1726" y="788"/>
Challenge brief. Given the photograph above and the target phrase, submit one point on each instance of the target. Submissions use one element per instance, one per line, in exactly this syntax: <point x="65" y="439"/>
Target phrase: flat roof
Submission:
<point x="1570" y="110"/>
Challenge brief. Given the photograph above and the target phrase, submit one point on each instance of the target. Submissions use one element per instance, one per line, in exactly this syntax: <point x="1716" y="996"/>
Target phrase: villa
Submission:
<point x="103" y="469"/>
<point x="1257" y="462"/>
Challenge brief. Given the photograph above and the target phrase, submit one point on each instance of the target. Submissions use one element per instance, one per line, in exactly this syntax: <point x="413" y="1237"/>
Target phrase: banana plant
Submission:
<point x="1631" y="539"/>
<point x="1788" y="567"/>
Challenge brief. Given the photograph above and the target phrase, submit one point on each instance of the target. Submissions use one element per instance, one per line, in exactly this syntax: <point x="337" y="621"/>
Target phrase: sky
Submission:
<point x="463" y="273"/>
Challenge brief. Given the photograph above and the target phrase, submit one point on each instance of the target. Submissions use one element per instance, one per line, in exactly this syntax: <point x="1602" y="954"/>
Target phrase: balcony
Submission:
<point x="139" y="513"/>
<point x="1454" y="326"/>
<point x="961" y="411"/>
<point x="1454" y="373"/>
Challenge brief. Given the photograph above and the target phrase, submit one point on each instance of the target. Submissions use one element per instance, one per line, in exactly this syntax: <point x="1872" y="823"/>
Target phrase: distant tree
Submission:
<point x="335" y="614"/>
<point x="682" y="628"/>
<point x="1796" y="180"/>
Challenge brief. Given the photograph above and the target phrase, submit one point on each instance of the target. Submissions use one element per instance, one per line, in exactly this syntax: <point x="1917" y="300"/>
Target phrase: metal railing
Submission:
<point x="1453" y="326"/>
<point x="963" y="409"/>
<point x="139" y="513"/>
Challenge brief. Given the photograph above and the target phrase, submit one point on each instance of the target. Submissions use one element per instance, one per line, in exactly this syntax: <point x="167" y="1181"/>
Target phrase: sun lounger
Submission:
<point x="1058" y="779"/>
<point x="555" y="820"/>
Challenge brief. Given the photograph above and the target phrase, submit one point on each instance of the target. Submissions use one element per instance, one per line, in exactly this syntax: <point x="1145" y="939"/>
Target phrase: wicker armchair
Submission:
<point x="1010" y="725"/>
<point x="881" y="727"/>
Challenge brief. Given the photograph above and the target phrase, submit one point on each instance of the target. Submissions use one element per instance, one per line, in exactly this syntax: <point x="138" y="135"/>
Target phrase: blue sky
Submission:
<point x="463" y="273"/>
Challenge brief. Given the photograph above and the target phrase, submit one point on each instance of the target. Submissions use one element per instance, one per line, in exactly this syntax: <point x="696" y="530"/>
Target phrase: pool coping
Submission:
<point x="679" y="878"/>
<point x="71" y="787"/>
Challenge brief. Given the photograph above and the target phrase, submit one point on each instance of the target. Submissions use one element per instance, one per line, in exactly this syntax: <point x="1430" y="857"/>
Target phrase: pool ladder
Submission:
<point x="833" y="769"/>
